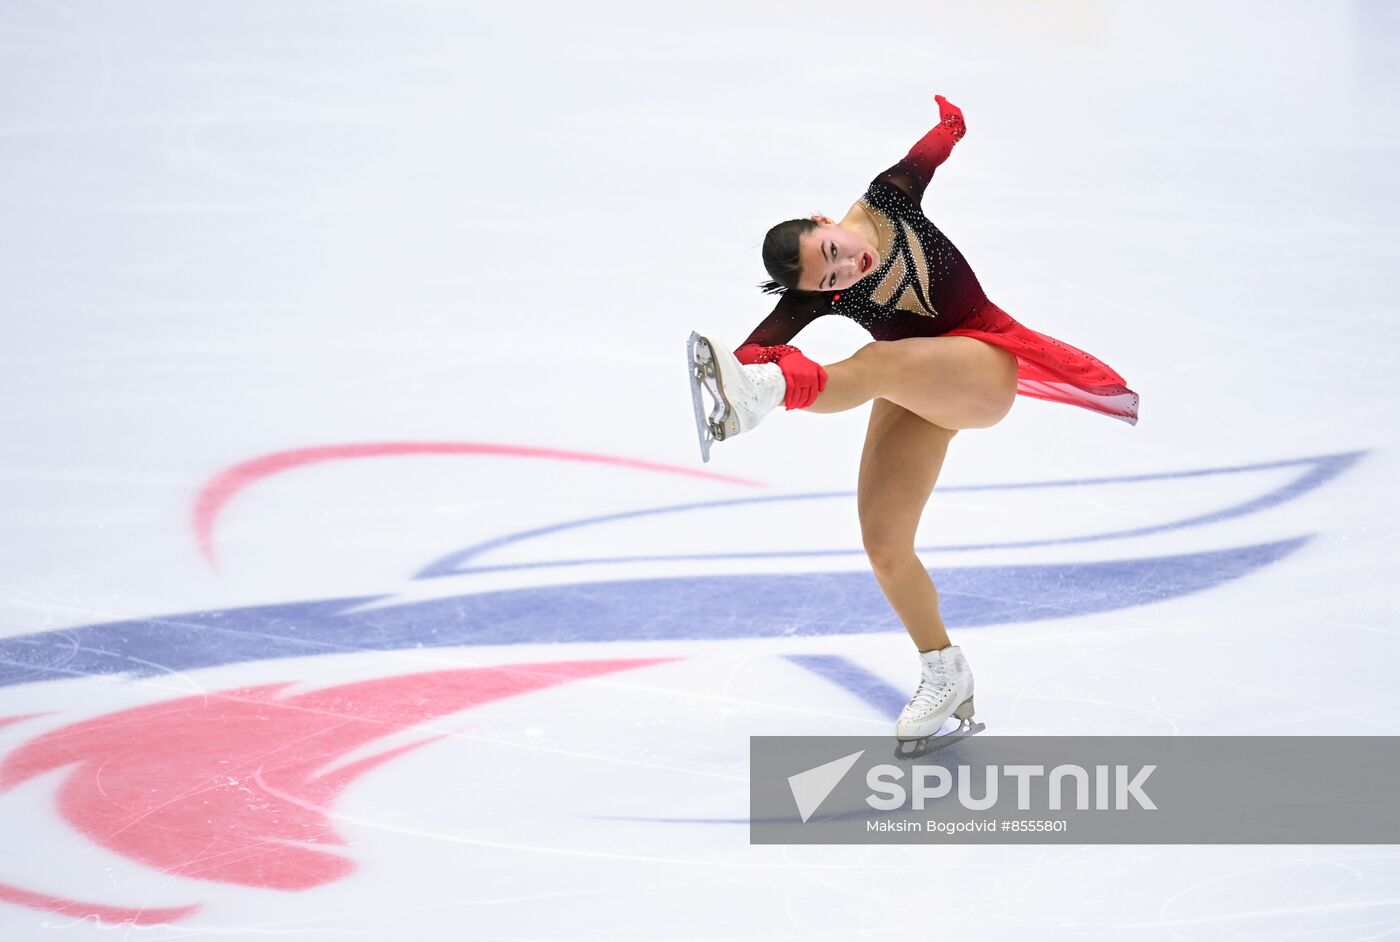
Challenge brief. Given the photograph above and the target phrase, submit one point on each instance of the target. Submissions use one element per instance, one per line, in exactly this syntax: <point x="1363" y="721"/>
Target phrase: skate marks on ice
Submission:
<point x="298" y="790"/>
<point x="676" y="607"/>
<point x="228" y="483"/>
<point x="237" y="786"/>
<point x="884" y="699"/>
<point x="1260" y="491"/>
<point x="684" y="607"/>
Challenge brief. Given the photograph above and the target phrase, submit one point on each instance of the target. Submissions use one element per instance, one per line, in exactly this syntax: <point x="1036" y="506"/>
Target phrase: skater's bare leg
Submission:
<point x="951" y="382"/>
<point x="898" y="468"/>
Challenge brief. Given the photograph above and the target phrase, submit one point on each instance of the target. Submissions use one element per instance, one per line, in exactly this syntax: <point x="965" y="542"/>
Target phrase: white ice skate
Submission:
<point x="945" y="690"/>
<point x="742" y="395"/>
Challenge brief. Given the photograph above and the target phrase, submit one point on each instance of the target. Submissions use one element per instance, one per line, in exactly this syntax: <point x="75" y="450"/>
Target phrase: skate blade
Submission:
<point x="700" y="362"/>
<point x="907" y="749"/>
<point x="697" y="361"/>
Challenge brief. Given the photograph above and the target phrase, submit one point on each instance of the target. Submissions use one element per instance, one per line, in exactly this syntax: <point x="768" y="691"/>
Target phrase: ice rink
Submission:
<point x="361" y="579"/>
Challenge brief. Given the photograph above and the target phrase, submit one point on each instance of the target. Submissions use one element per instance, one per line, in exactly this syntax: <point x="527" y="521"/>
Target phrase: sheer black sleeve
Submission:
<point x="794" y="311"/>
<point x="906" y="177"/>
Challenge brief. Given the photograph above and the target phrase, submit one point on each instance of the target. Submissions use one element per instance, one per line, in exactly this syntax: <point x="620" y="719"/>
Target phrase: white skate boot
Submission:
<point x="945" y="689"/>
<point x="742" y="395"/>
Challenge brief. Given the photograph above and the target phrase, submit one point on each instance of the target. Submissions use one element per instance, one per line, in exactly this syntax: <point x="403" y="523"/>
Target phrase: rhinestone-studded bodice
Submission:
<point x="922" y="287"/>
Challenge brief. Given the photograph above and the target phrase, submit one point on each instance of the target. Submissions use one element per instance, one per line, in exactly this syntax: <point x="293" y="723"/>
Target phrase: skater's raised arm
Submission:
<point x="913" y="173"/>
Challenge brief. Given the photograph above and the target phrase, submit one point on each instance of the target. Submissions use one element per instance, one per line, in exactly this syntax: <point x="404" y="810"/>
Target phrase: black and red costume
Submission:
<point x="924" y="287"/>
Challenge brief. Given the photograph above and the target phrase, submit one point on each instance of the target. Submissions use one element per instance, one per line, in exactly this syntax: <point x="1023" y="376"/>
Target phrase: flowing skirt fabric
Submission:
<point x="1051" y="369"/>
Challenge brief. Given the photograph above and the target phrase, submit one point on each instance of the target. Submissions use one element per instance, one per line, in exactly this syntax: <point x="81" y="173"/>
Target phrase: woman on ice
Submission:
<point x="944" y="358"/>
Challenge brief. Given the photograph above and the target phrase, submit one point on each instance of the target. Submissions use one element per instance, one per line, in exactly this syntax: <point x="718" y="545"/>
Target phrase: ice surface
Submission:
<point x="465" y="647"/>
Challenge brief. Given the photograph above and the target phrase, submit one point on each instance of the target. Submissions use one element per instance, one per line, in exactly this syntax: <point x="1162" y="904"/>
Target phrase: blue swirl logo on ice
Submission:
<point x="685" y="606"/>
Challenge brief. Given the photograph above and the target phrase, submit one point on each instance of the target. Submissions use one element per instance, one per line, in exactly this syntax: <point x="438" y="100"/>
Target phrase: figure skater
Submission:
<point x="944" y="358"/>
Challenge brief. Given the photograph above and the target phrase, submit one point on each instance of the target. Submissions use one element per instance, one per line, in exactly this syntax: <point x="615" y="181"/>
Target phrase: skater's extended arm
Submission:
<point x="794" y="311"/>
<point x="913" y="173"/>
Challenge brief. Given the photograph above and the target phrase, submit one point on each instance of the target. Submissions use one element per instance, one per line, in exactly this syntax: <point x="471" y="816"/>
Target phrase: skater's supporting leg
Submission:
<point x="951" y="382"/>
<point x="898" y="469"/>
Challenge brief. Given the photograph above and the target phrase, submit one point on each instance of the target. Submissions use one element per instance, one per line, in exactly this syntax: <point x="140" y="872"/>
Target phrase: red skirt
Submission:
<point x="1051" y="369"/>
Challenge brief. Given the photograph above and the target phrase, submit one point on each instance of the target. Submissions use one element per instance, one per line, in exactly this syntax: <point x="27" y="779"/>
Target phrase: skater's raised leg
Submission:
<point x="951" y="382"/>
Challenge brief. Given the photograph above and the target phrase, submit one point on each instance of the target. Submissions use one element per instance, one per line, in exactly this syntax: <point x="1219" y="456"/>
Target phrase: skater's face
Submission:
<point x="833" y="257"/>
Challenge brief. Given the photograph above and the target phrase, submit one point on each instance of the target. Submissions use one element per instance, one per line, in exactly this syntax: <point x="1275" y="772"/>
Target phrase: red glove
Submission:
<point x="805" y="378"/>
<point x="935" y="146"/>
<point x="951" y="115"/>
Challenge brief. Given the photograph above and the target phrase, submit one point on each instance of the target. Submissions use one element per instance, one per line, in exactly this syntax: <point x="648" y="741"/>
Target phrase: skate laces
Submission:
<point x="934" y="688"/>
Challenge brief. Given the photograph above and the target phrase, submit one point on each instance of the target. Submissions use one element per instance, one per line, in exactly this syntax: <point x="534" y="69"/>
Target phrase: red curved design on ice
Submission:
<point x="231" y="786"/>
<point x="7" y="720"/>
<point x="115" y="915"/>
<point x="224" y="485"/>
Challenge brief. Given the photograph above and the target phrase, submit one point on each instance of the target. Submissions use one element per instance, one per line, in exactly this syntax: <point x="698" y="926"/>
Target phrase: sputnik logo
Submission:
<point x="234" y="786"/>
<point x="811" y="788"/>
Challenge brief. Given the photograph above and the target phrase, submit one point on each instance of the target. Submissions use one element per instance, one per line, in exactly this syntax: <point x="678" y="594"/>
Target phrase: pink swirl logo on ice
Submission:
<point x="234" y="786"/>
